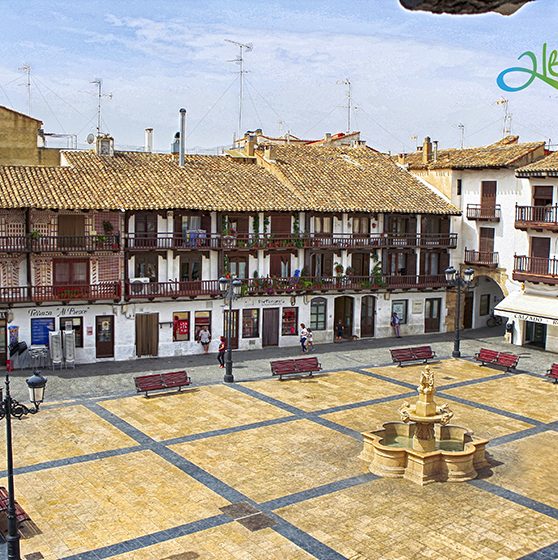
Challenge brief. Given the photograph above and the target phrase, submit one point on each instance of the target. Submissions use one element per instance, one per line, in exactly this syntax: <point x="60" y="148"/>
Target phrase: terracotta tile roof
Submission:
<point x="505" y="153"/>
<point x="304" y="178"/>
<point x="545" y="166"/>
<point x="357" y="179"/>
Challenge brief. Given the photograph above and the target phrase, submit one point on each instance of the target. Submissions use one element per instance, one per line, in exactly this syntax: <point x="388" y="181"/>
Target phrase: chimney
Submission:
<point x="270" y="152"/>
<point x="182" y="138"/>
<point x="148" y="140"/>
<point x="250" y="145"/>
<point x="104" y="145"/>
<point x="435" y="150"/>
<point x="175" y="143"/>
<point x="327" y="137"/>
<point x="426" y="150"/>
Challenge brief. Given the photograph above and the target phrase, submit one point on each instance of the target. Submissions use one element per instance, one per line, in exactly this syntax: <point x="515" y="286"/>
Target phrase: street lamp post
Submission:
<point x="10" y="407"/>
<point x="460" y="281"/>
<point x="231" y="290"/>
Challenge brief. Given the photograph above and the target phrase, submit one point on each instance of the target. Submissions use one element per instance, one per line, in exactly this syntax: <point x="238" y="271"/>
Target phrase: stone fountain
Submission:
<point x="424" y="447"/>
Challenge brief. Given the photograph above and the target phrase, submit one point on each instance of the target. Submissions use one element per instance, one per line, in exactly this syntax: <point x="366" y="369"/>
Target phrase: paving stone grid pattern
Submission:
<point x="270" y="470"/>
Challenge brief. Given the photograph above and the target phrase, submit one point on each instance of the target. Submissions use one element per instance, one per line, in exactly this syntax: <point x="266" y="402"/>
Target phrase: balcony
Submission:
<point x="270" y="242"/>
<point x="481" y="258"/>
<point x="486" y="213"/>
<point x="282" y="286"/>
<point x="59" y="243"/>
<point x="535" y="269"/>
<point x="537" y="217"/>
<point x="110" y="291"/>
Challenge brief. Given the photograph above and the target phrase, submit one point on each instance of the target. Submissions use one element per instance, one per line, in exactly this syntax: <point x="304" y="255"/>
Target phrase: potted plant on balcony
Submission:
<point x="338" y="267"/>
<point x="377" y="276"/>
<point x="229" y="237"/>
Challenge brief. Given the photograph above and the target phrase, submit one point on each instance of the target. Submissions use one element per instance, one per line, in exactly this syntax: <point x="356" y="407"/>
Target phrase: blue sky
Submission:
<point x="413" y="74"/>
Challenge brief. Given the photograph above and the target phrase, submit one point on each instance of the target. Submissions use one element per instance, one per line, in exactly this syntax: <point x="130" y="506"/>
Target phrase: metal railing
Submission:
<point x="540" y="215"/>
<point x="535" y="267"/>
<point x="484" y="212"/>
<point x="481" y="258"/>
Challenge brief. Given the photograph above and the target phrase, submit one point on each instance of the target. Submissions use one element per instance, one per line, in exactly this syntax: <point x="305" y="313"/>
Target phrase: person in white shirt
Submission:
<point x="303" y="337"/>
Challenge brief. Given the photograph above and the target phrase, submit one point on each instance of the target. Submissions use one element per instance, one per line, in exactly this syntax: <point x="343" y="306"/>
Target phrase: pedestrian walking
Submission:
<point x="204" y="336"/>
<point x="395" y="322"/>
<point x="339" y="330"/>
<point x="309" y="341"/>
<point x="303" y="337"/>
<point x="221" y="352"/>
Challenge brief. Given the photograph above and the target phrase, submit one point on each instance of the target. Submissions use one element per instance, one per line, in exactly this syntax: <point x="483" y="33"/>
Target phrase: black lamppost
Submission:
<point x="461" y="281"/>
<point x="10" y="407"/>
<point x="231" y="290"/>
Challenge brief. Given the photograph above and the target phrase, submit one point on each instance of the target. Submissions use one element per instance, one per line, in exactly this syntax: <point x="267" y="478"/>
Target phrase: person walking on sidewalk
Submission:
<point x="339" y="330"/>
<point x="204" y="336"/>
<point x="309" y="341"/>
<point x="303" y="337"/>
<point x="221" y="352"/>
<point x="395" y="322"/>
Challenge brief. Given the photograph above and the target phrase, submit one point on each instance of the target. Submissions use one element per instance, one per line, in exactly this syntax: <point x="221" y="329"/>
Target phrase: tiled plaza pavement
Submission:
<point x="270" y="470"/>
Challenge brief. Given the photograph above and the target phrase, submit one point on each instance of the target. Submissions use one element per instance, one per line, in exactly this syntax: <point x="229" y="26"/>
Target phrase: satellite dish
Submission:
<point x="90" y="138"/>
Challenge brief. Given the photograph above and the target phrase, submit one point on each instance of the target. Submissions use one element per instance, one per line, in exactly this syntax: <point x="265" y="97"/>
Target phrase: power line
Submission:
<point x="319" y="122"/>
<point x="48" y="105"/>
<point x="265" y="101"/>
<point x="382" y="127"/>
<point x="255" y="108"/>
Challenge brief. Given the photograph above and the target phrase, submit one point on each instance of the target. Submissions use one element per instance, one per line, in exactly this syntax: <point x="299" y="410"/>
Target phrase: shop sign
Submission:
<point x="270" y="302"/>
<point x="66" y="311"/>
<point x="535" y="319"/>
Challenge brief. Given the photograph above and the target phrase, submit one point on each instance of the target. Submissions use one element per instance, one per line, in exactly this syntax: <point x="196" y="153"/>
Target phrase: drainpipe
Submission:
<point x="182" y="137"/>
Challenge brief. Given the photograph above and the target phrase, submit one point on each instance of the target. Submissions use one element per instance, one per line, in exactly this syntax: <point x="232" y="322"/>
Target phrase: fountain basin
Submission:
<point x="456" y="458"/>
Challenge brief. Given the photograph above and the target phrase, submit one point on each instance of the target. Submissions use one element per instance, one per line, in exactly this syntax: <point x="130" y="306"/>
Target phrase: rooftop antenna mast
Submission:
<point x="100" y="95"/>
<point x="349" y="106"/>
<point x="461" y="127"/>
<point x="26" y="69"/>
<point x="242" y="47"/>
<point x="506" y="128"/>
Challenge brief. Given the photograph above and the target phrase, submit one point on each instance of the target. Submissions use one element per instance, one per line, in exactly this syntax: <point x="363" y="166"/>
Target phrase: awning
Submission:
<point x="528" y="307"/>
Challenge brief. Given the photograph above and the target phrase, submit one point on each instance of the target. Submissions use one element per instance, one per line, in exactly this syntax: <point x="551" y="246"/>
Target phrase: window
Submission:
<point x="40" y="329"/>
<point x="180" y="326"/>
<point x="71" y="230"/>
<point x="75" y="324"/>
<point x="238" y="267"/>
<point x="289" y="321"/>
<point x="322" y="224"/>
<point x="361" y="225"/>
<point x="250" y="323"/>
<point x="399" y="306"/>
<point x="69" y="272"/>
<point x="318" y="315"/>
<point x="542" y="196"/>
<point x="202" y="319"/>
<point x="190" y="267"/>
<point x="484" y="304"/>
<point x="459" y="186"/>
<point x="147" y="266"/>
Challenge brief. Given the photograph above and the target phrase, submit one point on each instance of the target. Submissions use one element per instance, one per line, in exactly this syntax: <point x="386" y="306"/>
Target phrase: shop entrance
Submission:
<point x="234" y="327"/>
<point x="270" y="330"/>
<point x="344" y="314"/>
<point x="432" y="314"/>
<point x="104" y="336"/>
<point x="535" y="334"/>
<point x="147" y="334"/>
<point x="367" y="313"/>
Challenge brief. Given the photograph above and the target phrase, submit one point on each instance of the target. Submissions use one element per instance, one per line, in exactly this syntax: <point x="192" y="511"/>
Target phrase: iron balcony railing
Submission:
<point x="535" y="269"/>
<point x="481" y="258"/>
<point x="536" y="216"/>
<point x="490" y="213"/>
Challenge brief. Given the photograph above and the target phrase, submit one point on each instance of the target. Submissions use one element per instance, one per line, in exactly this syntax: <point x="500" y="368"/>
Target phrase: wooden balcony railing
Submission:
<point x="536" y="217"/>
<point x="481" y="258"/>
<point x="59" y="243"/>
<point x="39" y="294"/>
<point x="535" y="269"/>
<point x="250" y="242"/>
<point x="488" y="213"/>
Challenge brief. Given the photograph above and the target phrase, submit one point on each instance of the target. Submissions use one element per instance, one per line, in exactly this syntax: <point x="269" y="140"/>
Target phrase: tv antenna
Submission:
<point x="100" y="95"/>
<point x="506" y="128"/>
<point x="26" y="69"/>
<point x="349" y="105"/>
<point x="461" y="127"/>
<point x="242" y="47"/>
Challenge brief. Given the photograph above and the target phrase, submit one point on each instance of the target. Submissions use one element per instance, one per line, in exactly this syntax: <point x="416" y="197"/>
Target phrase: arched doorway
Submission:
<point x="485" y="296"/>
<point x="367" y="315"/>
<point x="344" y="313"/>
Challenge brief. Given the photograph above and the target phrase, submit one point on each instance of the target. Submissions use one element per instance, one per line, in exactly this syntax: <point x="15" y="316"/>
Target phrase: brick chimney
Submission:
<point x="427" y="150"/>
<point x="249" y="144"/>
<point x="270" y="153"/>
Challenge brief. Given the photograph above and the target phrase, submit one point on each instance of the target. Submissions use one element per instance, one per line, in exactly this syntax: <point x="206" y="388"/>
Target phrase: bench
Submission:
<point x="160" y="381"/>
<point x="414" y="354"/>
<point x="505" y="359"/>
<point x="21" y="515"/>
<point x="553" y="372"/>
<point x="296" y="366"/>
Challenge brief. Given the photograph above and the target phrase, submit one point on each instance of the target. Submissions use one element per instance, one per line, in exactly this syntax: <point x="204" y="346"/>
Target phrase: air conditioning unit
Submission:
<point x="137" y="285"/>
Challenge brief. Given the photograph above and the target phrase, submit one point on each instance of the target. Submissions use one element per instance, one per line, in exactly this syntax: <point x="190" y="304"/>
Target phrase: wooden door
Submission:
<point x="360" y="263"/>
<point x="104" y="336"/>
<point x="344" y="313"/>
<point x="280" y="265"/>
<point x="540" y="252"/>
<point x="432" y="315"/>
<point x="486" y="245"/>
<point x="146" y="229"/>
<point x="147" y="334"/>
<point x="488" y="199"/>
<point x="71" y="231"/>
<point x="468" y="310"/>
<point x="281" y="224"/>
<point x="367" y="314"/>
<point x="234" y="327"/>
<point x="270" y="330"/>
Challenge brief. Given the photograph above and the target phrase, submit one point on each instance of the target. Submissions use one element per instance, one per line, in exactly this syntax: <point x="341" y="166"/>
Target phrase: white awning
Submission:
<point x="528" y="307"/>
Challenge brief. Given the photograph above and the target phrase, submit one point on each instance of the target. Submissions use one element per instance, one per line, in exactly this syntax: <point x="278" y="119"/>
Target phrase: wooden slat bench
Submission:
<point x="21" y="514"/>
<point x="505" y="359"/>
<point x="298" y="366"/>
<point x="553" y="372"/>
<point x="160" y="381"/>
<point x="414" y="354"/>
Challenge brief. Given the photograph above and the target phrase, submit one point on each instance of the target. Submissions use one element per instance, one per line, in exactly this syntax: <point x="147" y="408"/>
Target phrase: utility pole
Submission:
<point x="242" y="47"/>
<point x="26" y="68"/>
